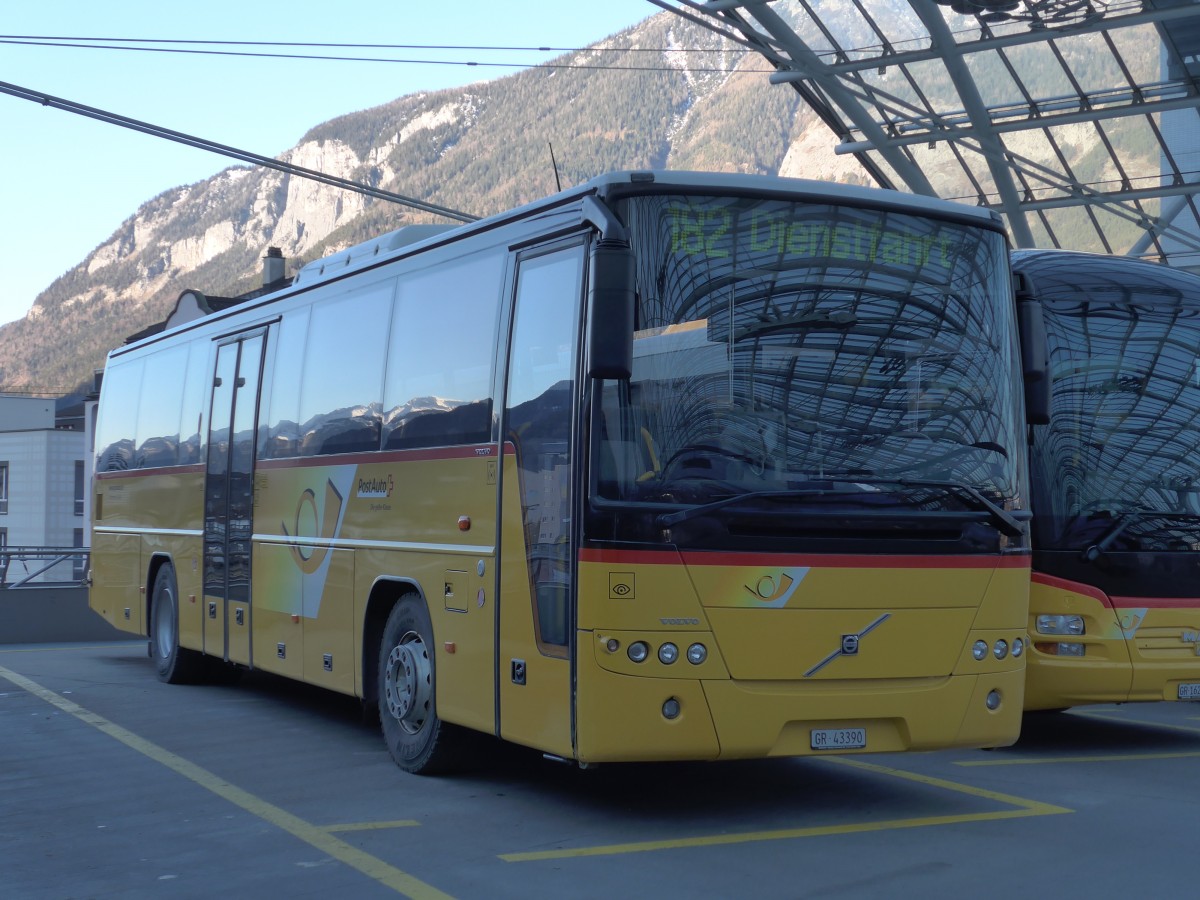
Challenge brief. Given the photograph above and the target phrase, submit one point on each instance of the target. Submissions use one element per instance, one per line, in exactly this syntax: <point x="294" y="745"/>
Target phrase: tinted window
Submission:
<point x="117" y="423"/>
<point x="439" y="377"/>
<point x="159" y="408"/>
<point x="342" y="380"/>
<point x="283" y="429"/>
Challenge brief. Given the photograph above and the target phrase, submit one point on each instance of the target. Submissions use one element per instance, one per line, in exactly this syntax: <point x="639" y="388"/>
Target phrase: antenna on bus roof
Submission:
<point x="554" y="163"/>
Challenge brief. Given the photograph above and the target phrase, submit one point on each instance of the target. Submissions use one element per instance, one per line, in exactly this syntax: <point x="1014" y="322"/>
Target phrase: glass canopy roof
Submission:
<point x="1077" y="121"/>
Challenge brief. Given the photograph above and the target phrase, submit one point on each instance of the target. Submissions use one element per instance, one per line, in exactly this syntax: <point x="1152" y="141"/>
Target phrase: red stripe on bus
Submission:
<point x="157" y="470"/>
<point x="1074" y="586"/>
<point x="1114" y="602"/>
<point x="480" y="451"/>
<point x="823" y="560"/>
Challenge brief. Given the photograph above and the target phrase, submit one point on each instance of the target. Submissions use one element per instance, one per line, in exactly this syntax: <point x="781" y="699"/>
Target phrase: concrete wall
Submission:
<point x="52" y="615"/>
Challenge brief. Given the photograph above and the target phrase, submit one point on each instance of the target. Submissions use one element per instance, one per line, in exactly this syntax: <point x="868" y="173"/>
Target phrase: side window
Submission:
<point x="117" y="424"/>
<point x="283" y="419"/>
<point x="192" y="399"/>
<point x="541" y="391"/>
<point x="342" y="380"/>
<point x="159" y="408"/>
<point x="439" y="378"/>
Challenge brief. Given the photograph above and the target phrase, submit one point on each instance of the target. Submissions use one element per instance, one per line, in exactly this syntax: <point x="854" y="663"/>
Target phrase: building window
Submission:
<point x="3" y="487"/>
<point x="79" y="487"/>
<point x="78" y="561"/>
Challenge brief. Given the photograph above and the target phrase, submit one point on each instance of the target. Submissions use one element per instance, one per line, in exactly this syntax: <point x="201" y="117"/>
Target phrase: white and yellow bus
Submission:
<point x="667" y="466"/>
<point x="1115" y="604"/>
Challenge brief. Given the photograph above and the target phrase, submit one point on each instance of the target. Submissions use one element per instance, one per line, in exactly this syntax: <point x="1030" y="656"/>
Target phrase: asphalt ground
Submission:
<point x="115" y="785"/>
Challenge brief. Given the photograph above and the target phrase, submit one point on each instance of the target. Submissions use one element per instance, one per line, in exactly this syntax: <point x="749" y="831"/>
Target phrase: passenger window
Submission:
<point x="439" y="379"/>
<point x="283" y="421"/>
<point x="117" y="428"/>
<point x="342" y="381"/>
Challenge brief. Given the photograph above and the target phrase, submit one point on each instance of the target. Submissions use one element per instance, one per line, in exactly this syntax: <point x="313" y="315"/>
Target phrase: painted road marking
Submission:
<point x="1051" y="760"/>
<point x="371" y="826"/>
<point x="1023" y="808"/>
<point x="315" y="836"/>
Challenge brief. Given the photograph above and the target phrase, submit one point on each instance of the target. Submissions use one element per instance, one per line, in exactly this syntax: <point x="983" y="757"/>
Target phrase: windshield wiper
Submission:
<point x="1121" y="522"/>
<point x="1005" y="522"/>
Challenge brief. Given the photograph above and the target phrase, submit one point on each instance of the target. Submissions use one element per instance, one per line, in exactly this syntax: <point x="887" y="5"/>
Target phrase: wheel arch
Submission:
<point x="158" y="559"/>
<point x="384" y="595"/>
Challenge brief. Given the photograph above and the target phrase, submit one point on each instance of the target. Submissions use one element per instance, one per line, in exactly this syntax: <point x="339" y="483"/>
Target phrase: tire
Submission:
<point x="174" y="664"/>
<point x="418" y="740"/>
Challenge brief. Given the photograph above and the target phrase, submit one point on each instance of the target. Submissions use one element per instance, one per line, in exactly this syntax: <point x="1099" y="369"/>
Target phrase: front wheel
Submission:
<point x="175" y="665"/>
<point x="418" y="740"/>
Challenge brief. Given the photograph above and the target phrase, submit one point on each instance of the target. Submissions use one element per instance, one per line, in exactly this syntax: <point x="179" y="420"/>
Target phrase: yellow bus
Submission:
<point x="1115" y="603"/>
<point x="666" y="466"/>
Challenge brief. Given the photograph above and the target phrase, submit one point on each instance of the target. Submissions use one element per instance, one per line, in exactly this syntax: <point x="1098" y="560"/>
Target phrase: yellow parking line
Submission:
<point x="1024" y="808"/>
<point x="371" y="826"/>
<point x="370" y="866"/>
<point x="1051" y="760"/>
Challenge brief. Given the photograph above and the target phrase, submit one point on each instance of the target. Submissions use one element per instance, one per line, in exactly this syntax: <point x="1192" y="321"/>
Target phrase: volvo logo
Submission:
<point x="849" y="646"/>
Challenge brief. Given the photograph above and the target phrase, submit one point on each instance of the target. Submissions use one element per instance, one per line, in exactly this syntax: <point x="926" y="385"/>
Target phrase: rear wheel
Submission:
<point x="174" y="664"/>
<point x="418" y="740"/>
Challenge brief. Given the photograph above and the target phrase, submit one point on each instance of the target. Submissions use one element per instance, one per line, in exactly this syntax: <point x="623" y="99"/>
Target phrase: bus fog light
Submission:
<point x="670" y="709"/>
<point x="638" y="651"/>
<point x="993" y="700"/>
<point x="1018" y="647"/>
<point x="1001" y="649"/>
<point x="667" y="654"/>
<point x="696" y="654"/>
<point x="1070" y="648"/>
<point x="980" y="650"/>
<point x="1060" y="625"/>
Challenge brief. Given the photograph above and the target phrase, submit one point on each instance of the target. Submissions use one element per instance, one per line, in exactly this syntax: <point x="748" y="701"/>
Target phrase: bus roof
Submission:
<point x="412" y="239"/>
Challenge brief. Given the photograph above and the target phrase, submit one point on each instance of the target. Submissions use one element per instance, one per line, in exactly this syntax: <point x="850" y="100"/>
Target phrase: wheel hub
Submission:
<point x="407" y="682"/>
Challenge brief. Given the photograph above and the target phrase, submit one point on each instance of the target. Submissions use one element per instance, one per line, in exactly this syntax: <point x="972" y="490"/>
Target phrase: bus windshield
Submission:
<point x="1115" y="468"/>
<point x="844" y="361"/>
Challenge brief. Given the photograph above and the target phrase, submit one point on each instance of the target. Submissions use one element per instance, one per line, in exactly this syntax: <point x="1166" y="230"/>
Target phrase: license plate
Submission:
<point x="846" y="738"/>
<point x="1189" y="691"/>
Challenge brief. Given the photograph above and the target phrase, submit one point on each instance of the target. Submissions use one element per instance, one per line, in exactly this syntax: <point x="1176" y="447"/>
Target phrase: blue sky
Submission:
<point x="67" y="182"/>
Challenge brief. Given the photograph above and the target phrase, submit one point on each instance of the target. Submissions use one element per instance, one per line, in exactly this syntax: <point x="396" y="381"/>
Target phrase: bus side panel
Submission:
<point x="278" y="639"/>
<point x="535" y="702"/>
<point x="328" y="646"/>
<point x="117" y="581"/>
<point x="1102" y="675"/>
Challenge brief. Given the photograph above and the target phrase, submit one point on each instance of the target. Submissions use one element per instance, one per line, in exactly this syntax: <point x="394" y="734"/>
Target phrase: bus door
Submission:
<point x="538" y="541"/>
<point x="229" y="497"/>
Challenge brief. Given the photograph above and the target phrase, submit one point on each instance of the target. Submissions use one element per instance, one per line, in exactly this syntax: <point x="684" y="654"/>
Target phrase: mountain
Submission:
<point x="690" y="101"/>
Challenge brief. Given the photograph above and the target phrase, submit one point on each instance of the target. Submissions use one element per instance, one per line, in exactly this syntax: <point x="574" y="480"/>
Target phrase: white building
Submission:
<point x="43" y="488"/>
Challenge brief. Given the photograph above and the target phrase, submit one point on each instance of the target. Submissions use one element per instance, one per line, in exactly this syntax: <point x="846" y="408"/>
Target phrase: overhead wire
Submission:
<point x="200" y="143"/>
<point x="125" y="44"/>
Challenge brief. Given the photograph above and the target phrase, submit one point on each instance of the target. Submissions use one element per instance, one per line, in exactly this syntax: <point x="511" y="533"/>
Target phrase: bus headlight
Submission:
<point x="1060" y="625"/>
<point x="1001" y="649"/>
<point x="668" y="653"/>
<point x="638" y="651"/>
<point x="1018" y="647"/>
<point x="980" y="650"/>
<point x="696" y="654"/>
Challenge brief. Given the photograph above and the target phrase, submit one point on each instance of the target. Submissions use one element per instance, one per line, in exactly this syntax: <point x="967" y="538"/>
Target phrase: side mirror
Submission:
<point x="611" y="296"/>
<point x="1035" y="365"/>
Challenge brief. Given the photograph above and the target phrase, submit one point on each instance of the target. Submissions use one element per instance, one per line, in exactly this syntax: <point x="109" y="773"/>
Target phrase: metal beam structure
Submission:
<point x="1077" y="120"/>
